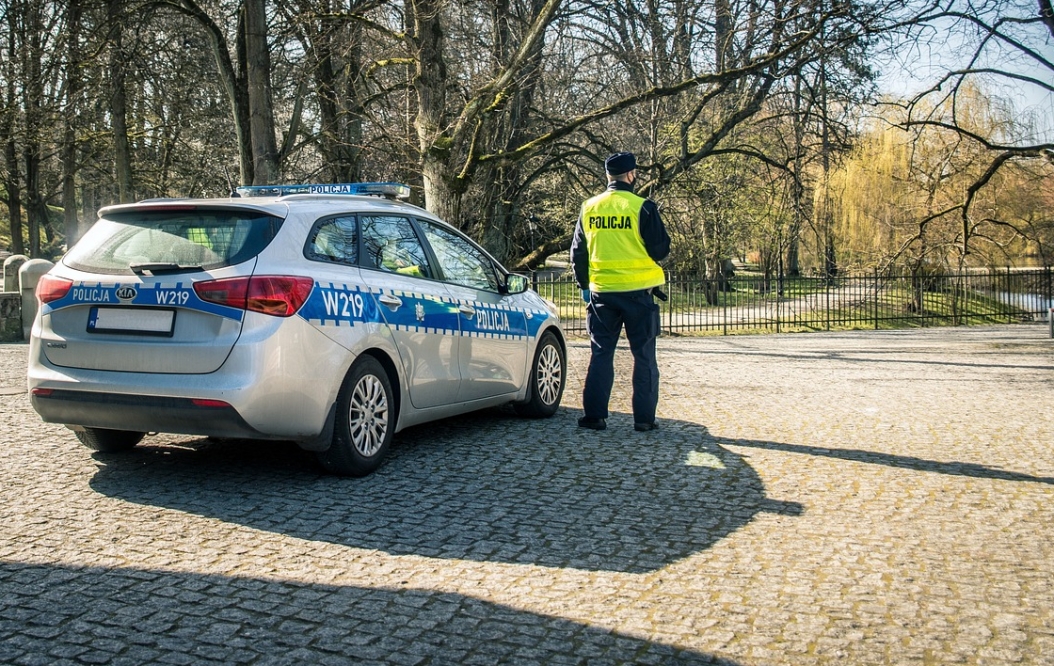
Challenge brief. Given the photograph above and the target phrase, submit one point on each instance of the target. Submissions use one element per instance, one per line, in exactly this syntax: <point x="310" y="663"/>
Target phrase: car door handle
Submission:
<point x="467" y="310"/>
<point x="391" y="301"/>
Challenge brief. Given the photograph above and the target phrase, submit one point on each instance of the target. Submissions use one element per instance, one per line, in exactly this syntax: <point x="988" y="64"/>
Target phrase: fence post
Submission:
<point x="875" y="271"/>
<point x="1010" y="297"/>
<point x="1050" y="289"/>
<point x="827" y="299"/>
<point x="668" y="277"/>
<point x="724" y="315"/>
<point x="779" y="310"/>
<point x="1046" y="276"/>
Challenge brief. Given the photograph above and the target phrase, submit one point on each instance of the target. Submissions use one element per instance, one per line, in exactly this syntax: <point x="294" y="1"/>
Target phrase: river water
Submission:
<point x="1029" y="302"/>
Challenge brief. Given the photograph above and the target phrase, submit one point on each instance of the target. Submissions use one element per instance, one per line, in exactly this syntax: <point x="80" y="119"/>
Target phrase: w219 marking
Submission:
<point x="343" y="304"/>
<point x="172" y="297"/>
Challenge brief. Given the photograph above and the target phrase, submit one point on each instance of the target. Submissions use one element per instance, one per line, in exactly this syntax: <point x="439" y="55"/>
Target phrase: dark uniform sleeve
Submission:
<point x="652" y="231"/>
<point x="580" y="256"/>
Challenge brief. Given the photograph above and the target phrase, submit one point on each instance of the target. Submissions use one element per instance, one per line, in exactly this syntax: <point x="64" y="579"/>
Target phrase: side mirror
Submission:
<point x="516" y="284"/>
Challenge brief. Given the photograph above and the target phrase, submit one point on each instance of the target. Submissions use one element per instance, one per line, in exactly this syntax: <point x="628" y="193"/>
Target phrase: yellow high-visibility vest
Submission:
<point x="618" y="260"/>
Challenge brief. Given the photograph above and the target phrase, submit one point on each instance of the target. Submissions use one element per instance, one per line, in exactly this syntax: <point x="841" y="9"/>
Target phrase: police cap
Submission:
<point x="620" y="163"/>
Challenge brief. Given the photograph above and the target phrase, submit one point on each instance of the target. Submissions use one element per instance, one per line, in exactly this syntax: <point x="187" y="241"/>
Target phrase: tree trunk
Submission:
<point x="234" y="81"/>
<point x="71" y="229"/>
<point x="502" y="213"/>
<point x="258" y="80"/>
<point x="430" y="83"/>
<point x="441" y="198"/>
<point x="11" y="180"/>
<point x="119" y="105"/>
<point x="830" y="264"/>
<point x="33" y="99"/>
<point x="336" y="68"/>
<point x="722" y="34"/>
<point x="793" y="262"/>
<point x="36" y="210"/>
<point x="14" y="193"/>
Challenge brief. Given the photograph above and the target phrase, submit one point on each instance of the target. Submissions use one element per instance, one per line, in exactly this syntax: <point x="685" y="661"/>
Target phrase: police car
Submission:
<point x="331" y="315"/>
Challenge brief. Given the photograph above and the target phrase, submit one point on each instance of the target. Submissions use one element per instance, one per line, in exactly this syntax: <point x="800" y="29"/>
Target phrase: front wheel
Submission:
<point x="365" y="421"/>
<point x="109" y="441"/>
<point x="548" y="373"/>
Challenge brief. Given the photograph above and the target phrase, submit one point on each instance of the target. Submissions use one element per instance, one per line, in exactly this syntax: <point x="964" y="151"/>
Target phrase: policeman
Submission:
<point x="618" y="239"/>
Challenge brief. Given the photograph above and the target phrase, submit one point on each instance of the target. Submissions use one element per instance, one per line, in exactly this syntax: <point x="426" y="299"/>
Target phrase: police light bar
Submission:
<point x="388" y="190"/>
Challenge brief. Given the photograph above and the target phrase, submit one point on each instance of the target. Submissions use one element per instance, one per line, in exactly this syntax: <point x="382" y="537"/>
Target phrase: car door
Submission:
<point x="493" y="352"/>
<point x="341" y="306"/>
<point x="417" y="307"/>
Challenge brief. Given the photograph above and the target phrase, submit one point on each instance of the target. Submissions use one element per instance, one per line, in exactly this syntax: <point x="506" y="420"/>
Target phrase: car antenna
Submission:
<point x="230" y="186"/>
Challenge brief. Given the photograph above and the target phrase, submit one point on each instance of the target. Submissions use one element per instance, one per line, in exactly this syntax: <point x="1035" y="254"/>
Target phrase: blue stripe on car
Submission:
<point x="339" y="305"/>
<point x="156" y="295"/>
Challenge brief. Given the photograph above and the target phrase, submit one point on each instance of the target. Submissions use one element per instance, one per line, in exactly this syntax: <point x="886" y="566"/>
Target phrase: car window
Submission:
<point x="461" y="262"/>
<point x="196" y="238"/>
<point x="391" y="244"/>
<point x="335" y="239"/>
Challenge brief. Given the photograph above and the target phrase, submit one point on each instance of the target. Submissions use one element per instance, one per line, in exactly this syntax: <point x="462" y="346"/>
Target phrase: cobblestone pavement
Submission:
<point x="849" y="498"/>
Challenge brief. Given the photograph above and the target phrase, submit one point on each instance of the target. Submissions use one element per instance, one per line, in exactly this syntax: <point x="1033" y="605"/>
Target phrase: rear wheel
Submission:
<point x="548" y="373"/>
<point x="365" y="421"/>
<point x="109" y="441"/>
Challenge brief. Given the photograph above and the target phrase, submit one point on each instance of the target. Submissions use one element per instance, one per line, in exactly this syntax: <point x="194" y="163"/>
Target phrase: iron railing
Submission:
<point x="754" y="304"/>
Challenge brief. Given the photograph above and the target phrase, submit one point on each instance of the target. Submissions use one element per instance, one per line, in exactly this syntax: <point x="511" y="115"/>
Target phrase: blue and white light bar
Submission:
<point x="388" y="190"/>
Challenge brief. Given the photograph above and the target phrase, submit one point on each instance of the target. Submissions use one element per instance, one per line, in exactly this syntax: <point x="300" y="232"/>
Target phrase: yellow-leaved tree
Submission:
<point x="900" y="198"/>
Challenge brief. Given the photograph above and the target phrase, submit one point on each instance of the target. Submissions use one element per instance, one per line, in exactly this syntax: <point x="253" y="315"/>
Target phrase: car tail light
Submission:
<point x="229" y="291"/>
<point x="206" y="402"/>
<point x="52" y="288"/>
<point x="277" y="295"/>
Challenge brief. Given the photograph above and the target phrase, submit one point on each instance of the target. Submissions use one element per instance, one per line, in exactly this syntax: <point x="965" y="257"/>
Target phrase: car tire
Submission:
<point x="548" y="376"/>
<point x="109" y="441"/>
<point x="365" y="421"/>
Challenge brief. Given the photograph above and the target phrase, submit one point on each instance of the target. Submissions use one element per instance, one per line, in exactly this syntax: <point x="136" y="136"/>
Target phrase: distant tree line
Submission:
<point x="756" y="122"/>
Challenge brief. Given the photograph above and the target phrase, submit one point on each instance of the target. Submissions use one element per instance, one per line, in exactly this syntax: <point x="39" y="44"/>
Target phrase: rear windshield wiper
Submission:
<point x="162" y="267"/>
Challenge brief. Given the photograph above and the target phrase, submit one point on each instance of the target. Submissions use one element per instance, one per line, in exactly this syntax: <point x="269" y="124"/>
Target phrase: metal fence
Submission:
<point x="754" y="304"/>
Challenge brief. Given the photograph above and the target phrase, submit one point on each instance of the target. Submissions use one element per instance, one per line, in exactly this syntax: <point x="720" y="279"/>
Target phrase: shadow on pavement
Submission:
<point x="482" y="487"/>
<point x="903" y="462"/>
<point x="51" y="614"/>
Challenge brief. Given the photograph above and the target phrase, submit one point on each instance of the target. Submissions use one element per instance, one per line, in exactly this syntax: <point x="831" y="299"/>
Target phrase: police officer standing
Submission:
<point x="618" y="239"/>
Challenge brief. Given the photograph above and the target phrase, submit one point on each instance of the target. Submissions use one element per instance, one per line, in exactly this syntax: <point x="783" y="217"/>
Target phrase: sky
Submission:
<point x="917" y="66"/>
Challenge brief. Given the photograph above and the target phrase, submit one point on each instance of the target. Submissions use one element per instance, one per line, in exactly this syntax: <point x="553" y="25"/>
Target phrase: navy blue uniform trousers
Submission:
<point x="606" y="314"/>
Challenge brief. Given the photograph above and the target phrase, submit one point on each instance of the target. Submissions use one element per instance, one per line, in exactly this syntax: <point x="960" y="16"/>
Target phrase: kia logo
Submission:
<point x="126" y="293"/>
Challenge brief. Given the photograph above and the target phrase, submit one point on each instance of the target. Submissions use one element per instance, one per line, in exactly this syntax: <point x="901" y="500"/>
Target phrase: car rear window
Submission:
<point x="172" y="241"/>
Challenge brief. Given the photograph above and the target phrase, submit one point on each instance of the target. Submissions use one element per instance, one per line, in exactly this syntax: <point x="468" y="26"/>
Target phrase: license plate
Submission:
<point x="133" y="321"/>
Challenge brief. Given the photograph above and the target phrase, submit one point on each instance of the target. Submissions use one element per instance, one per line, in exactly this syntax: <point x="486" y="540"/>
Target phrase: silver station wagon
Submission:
<point x="330" y="315"/>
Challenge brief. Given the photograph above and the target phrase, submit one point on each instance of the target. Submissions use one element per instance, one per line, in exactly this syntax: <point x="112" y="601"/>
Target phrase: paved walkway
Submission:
<point x="848" y="498"/>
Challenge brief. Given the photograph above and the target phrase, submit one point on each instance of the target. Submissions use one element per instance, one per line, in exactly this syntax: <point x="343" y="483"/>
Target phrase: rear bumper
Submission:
<point x="141" y="413"/>
<point x="276" y="386"/>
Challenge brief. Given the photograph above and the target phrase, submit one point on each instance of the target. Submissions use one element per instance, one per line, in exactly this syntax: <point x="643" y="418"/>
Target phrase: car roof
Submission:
<point x="279" y="206"/>
<point x="307" y="199"/>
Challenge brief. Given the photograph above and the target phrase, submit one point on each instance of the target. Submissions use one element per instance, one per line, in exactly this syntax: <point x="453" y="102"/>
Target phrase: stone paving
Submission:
<point x="829" y="498"/>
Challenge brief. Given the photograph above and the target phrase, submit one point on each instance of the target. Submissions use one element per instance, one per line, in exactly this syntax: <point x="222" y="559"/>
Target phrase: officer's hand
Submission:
<point x="585" y="295"/>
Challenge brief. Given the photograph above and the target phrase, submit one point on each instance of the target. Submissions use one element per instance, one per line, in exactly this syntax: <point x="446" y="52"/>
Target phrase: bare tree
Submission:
<point x="116" y="21"/>
<point x="258" y="89"/>
<point x="234" y="79"/>
<point x="9" y="122"/>
<point x="1005" y="43"/>
<point x="73" y="83"/>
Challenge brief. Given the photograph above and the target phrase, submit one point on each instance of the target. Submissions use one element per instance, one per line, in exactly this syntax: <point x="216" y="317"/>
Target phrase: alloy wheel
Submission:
<point x="369" y="415"/>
